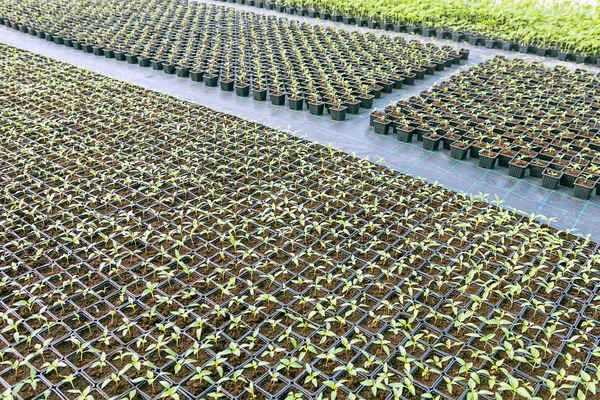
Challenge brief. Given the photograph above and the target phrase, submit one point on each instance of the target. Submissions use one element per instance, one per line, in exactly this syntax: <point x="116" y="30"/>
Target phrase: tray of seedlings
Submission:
<point x="528" y="118"/>
<point x="323" y="70"/>
<point x="564" y="30"/>
<point x="152" y="248"/>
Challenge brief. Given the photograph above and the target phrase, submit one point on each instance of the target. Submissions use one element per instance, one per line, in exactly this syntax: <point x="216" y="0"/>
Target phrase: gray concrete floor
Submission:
<point x="354" y="135"/>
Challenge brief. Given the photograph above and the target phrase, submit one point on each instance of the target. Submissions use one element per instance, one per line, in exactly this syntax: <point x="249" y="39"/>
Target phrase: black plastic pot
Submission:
<point x="458" y="153"/>
<point x="259" y="95"/>
<point x="510" y="46"/>
<point x="353" y="108"/>
<point x="405" y="135"/>
<point x="211" y="80"/>
<point x="474" y="151"/>
<point x="338" y="114"/>
<point x="387" y="87"/>
<point x="517" y="171"/>
<point x="316" y="108"/>
<point x="550" y="182"/>
<point x="296" y="104"/>
<point x="59" y="40"/>
<point x="458" y="36"/>
<point x="431" y="144"/>
<point x="429" y="32"/>
<point x="373" y="24"/>
<point x="440" y="34"/>
<point x="376" y="92"/>
<point x="568" y="180"/>
<point x="536" y="170"/>
<point x="156" y="65"/>
<point x="524" y="49"/>
<point x="144" y="61"/>
<point x="131" y="58"/>
<point x="108" y="53"/>
<point x="242" y="91"/>
<point x="487" y="162"/>
<point x="196" y="76"/>
<point x="98" y="51"/>
<point x="420" y="74"/>
<point x="277" y="99"/>
<point x="564" y="56"/>
<point x="366" y="101"/>
<point x="582" y="192"/>
<point x="182" y="72"/>
<point x="227" y="85"/>
<point x="169" y="68"/>
<point x="381" y="126"/>
<point x="503" y="160"/>
<point x="86" y="48"/>
<point x="409" y="79"/>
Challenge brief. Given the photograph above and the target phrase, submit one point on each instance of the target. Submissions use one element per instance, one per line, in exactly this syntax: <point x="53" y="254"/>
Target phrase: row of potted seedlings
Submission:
<point x="314" y="68"/>
<point x="153" y="248"/>
<point x="513" y="114"/>
<point x="581" y="49"/>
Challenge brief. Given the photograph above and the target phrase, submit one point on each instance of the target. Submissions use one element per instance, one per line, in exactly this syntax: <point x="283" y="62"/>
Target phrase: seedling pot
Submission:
<point x="338" y="113"/>
<point x="582" y="191"/>
<point x="242" y="91"/>
<point x="277" y="99"/>
<point x="366" y="101"/>
<point x="156" y="65"/>
<point x="405" y="134"/>
<point x="549" y="181"/>
<point x="457" y="152"/>
<point x="131" y="58"/>
<point x="196" y="76"/>
<point x="316" y="108"/>
<point x="227" y="84"/>
<point x="353" y="108"/>
<point x="296" y="104"/>
<point x="431" y="143"/>
<point x="536" y="169"/>
<point x="568" y="179"/>
<point x="259" y="95"/>
<point x="381" y="126"/>
<point x="409" y="79"/>
<point x="487" y="161"/>
<point x="182" y="72"/>
<point x="515" y="170"/>
<point x="211" y="80"/>
<point x="564" y="56"/>
<point x="169" y="68"/>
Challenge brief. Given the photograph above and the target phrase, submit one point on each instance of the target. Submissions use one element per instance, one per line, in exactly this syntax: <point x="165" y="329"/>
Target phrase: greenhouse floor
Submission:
<point x="354" y="135"/>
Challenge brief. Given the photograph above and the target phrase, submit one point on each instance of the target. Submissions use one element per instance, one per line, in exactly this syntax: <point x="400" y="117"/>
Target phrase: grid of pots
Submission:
<point x="472" y="38"/>
<point x="513" y="114"/>
<point x="322" y="70"/>
<point x="144" y="249"/>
